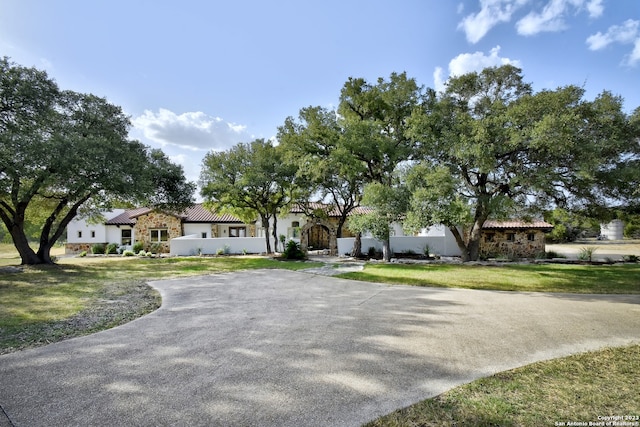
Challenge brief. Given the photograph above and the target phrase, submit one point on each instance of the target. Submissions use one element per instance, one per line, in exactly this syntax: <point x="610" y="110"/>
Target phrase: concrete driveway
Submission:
<point x="280" y="348"/>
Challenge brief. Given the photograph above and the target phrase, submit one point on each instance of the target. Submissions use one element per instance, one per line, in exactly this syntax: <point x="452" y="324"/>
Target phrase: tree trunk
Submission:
<point x="275" y="233"/>
<point x="357" y="246"/>
<point x="265" y="228"/>
<point x="27" y="255"/>
<point x="386" y="249"/>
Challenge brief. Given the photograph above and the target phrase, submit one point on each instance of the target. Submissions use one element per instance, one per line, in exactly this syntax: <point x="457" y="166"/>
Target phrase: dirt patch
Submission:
<point x="117" y="304"/>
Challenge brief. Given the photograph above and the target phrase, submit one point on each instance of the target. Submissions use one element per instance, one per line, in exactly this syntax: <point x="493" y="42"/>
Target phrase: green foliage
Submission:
<point x="112" y="249"/>
<point x="248" y="181"/>
<point x="82" y="254"/>
<point x="586" y="253"/>
<point x="63" y="151"/>
<point x="293" y="251"/>
<point x="137" y="247"/>
<point x="128" y="253"/>
<point x="497" y="149"/>
<point x="98" y="249"/>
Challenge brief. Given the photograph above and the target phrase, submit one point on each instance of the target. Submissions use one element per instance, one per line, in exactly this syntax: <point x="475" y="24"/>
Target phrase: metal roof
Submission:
<point x="196" y="213"/>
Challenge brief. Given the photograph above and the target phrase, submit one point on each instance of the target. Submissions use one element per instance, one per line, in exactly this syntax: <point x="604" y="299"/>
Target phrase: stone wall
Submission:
<point x="157" y="220"/>
<point x="76" y="248"/>
<point x="520" y="247"/>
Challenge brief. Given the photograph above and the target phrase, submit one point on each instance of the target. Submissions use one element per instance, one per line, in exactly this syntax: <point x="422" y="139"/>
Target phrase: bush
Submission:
<point x="142" y="253"/>
<point x="137" y="247"/>
<point x="630" y="258"/>
<point x="293" y="251"/>
<point x="112" y="249"/>
<point x="82" y="254"/>
<point x="98" y="249"/>
<point x="128" y="253"/>
<point x="586" y="253"/>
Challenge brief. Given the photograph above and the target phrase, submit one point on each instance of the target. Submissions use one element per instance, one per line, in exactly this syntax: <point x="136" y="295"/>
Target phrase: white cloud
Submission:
<point x="552" y="16"/>
<point x="627" y="33"/>
<point x="634" y="57"/>
<point x="492" y="12"/>
<point x="470" y="62"/>
<point x="191" y="130"/>
<point x="595" y="8"/>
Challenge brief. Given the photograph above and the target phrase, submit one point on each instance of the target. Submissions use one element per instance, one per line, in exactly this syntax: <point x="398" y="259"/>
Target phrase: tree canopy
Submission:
<point x="61" y="151"/>
<point x="250" y="181"/>
<point x="490" y="147"/>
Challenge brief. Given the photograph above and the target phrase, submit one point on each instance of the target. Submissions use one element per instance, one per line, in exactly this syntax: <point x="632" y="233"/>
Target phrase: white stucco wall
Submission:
<point x="194" y="244"/>
<point x="91" y="233"/>
<point x="197" y="229"/>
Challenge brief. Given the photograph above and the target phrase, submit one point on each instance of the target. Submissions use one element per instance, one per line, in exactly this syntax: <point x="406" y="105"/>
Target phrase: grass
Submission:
<point x="78" y="296"/>
<point x="576" y="389"/>
<point x="83" y="295"/>
<point x="582" y="279"/>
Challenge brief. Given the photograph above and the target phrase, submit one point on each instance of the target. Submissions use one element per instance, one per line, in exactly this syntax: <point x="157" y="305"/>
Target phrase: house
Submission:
<point x="518" y="239"/>
<point x="200" y="231"/>
<point x="153" y="228"/>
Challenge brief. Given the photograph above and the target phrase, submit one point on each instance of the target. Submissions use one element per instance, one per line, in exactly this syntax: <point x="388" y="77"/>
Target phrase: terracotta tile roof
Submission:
<point x="331" y="210"/>
<point x="513" y="224"/>
<point x="196" y="213"/>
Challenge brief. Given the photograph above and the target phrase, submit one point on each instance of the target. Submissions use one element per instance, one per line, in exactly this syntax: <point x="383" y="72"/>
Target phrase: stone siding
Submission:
<point x="157" y="220"/>
<point x="76" y="248"/>
<point x="495" y="243"/>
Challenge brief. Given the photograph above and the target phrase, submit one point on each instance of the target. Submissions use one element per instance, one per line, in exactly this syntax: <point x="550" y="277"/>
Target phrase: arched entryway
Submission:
<point x="319" y="235"/>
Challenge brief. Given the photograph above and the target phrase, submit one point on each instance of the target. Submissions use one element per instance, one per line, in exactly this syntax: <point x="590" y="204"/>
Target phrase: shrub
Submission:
<point x="128" y="253"/>
<point x="137" y="247"/>
<point x="98" y="249"/>
<point x="112" y="249"/>
<point x="553" y="254"/>
<point x="293" y="251"/>
<point x="586" y="253"/>
<point x="630" y="258"/>
<point x="82" y="254"/>
<point x="155" y="248"/>
<point x="220" y="251"/>
<point x="371" y="252"/>
<point x="142" y="253"/>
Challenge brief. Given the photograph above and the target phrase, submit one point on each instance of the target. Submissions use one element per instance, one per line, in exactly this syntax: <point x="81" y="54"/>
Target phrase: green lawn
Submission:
<point x="591" y="279"/>
<point x="82" y="295"/>
<point x="574" y="389"/>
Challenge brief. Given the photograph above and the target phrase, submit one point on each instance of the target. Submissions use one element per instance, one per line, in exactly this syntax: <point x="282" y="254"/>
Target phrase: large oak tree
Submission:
<point x="491" y="147"/>
<point x="62" y="151"/>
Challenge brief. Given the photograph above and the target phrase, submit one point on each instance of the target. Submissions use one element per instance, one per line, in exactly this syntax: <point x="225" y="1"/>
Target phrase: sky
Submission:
<point x="197" y="75"/>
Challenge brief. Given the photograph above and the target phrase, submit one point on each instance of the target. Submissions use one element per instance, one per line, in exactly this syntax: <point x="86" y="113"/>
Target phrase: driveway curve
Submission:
<point x="280" y="348"/>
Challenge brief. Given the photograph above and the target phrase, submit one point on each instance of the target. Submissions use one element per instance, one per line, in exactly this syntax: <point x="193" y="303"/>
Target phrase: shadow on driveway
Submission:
<point x="280" y="348"/>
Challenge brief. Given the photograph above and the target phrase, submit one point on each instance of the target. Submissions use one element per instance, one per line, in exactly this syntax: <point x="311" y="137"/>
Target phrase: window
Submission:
<point x="237" y="232"/>
<point x="511" y="237"/>
<point x="93" y="234"/>
<point x="531" y="237"/>
<point x="294" y="231"/>
<point x="203" y="235"/>
<point x="79" y="234"/>
<point x="125" y="237"/>
<point x="159" y="235"/>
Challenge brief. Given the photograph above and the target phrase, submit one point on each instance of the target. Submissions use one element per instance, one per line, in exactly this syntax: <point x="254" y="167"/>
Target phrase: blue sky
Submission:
<point x="203" y="75"/>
